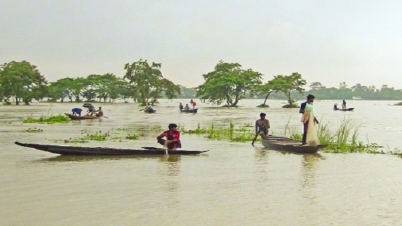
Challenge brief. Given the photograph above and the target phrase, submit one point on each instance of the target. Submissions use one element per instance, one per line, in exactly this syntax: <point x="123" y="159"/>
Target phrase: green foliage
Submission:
<point x="33" y="130"/>
<point x="134" y="136"/>
<point x="228" y="83"/>
<point x="149" y="82"/>
<point x="287" y="84"/>
<point x="22" y="81"/>
<point x="97" y="136"/>
<point x="48" y="120"/>
<point x="398" y="104"/>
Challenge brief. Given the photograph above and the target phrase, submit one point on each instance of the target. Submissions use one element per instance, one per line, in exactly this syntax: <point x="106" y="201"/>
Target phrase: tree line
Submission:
<point x="143" y="82"/>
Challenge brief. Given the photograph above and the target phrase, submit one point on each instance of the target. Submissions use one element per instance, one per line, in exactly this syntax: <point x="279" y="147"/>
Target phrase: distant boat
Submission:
<point x="357" y="98"/>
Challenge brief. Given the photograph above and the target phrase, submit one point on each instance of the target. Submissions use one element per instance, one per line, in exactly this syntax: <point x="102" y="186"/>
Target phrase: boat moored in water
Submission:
<point x="77" y="150"/>
<point x="189" y="110"/>
<point x="76" y="117"/>
<point x="288" y="144"/>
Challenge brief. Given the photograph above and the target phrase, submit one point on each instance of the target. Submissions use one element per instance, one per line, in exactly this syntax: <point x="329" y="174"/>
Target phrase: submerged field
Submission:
<point x="233" y="184"/>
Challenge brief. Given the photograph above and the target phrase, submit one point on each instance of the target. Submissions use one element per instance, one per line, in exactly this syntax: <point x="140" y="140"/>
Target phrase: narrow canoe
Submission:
<point x="287" y="144"/>
<point x="149" y="111"/>
<point x="75" y="150"/>
<point x="348" y="109"/>
<point x="75" y="117"/>
<point x="189" y="111"/>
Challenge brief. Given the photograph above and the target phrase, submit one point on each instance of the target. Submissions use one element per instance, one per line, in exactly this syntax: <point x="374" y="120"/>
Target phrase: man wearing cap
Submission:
<point x="172" y="137"/>
<point x="262" y="124"/>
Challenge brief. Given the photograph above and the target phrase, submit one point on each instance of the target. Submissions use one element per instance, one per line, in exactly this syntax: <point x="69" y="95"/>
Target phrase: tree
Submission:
<point x="228" y="82"/>
<point x="288" y="84"/>
<point x="21" y="80"/>
<point x="316" y="86"/>
<point x="148" y="81"/>
<point x="266" y="90"/>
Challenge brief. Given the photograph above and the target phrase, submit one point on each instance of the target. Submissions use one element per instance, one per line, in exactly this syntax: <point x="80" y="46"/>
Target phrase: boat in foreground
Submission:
<point x="189" y="111"/>
<point x="287" y="144"/>
<point x="76" y="117"/>
<point x="75" y="150"/>
<point x="348" y="109"/>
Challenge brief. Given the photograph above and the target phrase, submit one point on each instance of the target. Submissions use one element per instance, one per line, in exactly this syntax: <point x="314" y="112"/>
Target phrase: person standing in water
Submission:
<point x="306" y="117"/>
<point x="262" y="125"/>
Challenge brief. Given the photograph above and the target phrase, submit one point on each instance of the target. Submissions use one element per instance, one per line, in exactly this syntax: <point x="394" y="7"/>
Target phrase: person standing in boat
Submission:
<point x="172" y="135"/>
<point x="309" y="119"/>
<point x="77" y="111"/>
<point x="262" y="125"/>
<point x="310" y="100"/>
<point x="343" y="104"/>
<point x="193" y="103"/>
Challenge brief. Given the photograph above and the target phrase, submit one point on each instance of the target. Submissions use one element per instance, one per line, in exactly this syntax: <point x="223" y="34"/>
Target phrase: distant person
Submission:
<point x="335" y="107"/>
<point x="99" y="112"/>
<point x="181" y="106"/>
<point x="172" y="141"/>
<point x="193" y="103"/>
<point x="262" y="125"/>
<point x="306" y="117"/>
<point x="343" y="104"/>
<point x="77" y="111"/>
<point x="187" y="107"/>
<point x="149" y="107"/>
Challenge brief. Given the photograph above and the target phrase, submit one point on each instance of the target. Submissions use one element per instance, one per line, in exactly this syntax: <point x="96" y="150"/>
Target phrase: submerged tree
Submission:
<point x="21" y="80"/>
<point x="228" y="83"/>
<point x="288" y="84"/>
<point x="149" y="82"/>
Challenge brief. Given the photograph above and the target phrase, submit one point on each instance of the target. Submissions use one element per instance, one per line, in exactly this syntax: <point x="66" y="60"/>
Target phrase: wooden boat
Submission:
<point x="287" y="144"/>
<point x="76" y="117"/>
<point x="73" y="150"/>
<point x="347" y="109"/>
<point x="149" y="111"/>
<point x="189" y="111"/>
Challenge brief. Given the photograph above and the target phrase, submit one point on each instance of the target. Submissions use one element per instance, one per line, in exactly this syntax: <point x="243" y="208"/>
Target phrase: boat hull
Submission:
<point x="149" y="112"/>
<point x="75" y="117"/>
<point x="189" y="111"/>
<point x="348" y="109"/>
<point x="72" y="150"/>
<point x="290" y="145"/>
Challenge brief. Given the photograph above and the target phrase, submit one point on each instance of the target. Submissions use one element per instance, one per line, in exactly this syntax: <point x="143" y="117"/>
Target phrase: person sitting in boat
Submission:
<point x="335" y="106"/>
<point x="99" y="112"/>
<point x="187" y="107"/>
<point x="172" y="135"/>
<point x="262" y="125"/>
<point x="149" y="107"/>
<point x="181" y="106"/>
<point x="77" y="111"/>
<point x="91" y="111"/>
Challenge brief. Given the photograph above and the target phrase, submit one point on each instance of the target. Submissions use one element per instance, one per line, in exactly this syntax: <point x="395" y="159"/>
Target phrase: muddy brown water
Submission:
<point x="233" y="184"/>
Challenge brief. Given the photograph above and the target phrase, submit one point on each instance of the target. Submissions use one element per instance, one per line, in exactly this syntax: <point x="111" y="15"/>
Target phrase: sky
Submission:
<point x="357" y="41"/>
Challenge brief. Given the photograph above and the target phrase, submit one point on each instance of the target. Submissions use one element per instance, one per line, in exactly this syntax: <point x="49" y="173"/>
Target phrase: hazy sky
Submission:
<point x="327" y="41"/>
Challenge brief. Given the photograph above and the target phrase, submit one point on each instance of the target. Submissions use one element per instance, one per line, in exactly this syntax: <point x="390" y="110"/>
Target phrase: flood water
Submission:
<point x="233" y="184"/>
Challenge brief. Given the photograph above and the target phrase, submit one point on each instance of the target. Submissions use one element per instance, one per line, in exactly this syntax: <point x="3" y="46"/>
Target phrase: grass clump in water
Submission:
<point x="48" y="120"/>
<point x="134" y="136"/>
<point x="344" y="139"/>
<point x="97" y="136"/>
<point x="33" y="130"/>
<point x="240" y="134"/>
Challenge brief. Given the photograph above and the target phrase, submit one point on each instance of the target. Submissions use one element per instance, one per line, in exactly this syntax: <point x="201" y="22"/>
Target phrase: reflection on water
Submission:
<point x="233" y="184"/>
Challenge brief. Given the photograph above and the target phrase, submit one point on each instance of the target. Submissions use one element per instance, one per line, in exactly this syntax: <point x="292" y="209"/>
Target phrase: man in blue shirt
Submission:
<point x="77" y="111"/>
<point x="310" y="99"/>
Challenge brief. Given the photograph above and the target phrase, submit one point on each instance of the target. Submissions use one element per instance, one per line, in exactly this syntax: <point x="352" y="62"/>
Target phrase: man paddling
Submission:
<point x="310" y="100"/>
<point x="172" y="137"/>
